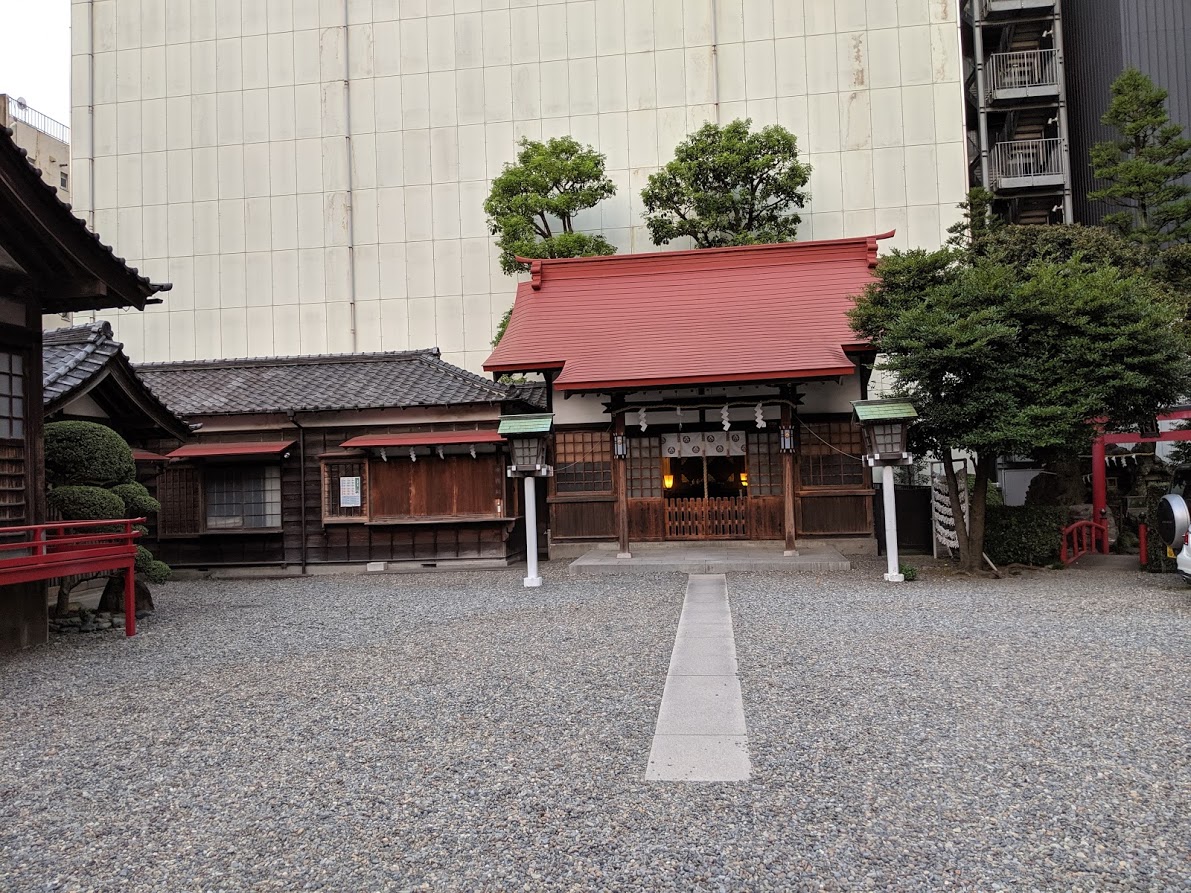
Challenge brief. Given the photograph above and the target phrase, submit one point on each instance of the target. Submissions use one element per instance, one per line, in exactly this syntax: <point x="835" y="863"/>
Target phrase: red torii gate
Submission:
<point x="1100" y="478"/>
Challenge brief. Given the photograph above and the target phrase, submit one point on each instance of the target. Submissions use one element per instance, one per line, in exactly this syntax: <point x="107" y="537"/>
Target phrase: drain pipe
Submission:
<point x="715" y="58"/>
<point x="293" y="417"/>
<point x="351" y="195"/>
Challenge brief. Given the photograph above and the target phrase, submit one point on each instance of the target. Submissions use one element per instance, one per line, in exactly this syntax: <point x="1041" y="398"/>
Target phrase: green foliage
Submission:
<point x="1021" y="534"/>
<point x="532" y="205"/>
<point x="1142" y="169"/>
<point x="908" y="571"/>
<point x="729" y="186"/>
<point x="86" y="453"/>
<point x="93" y="477"/>
<point x="1004" y="358"/>
<point x="137" y="501"/>
<point x="150" y="568"/>
<point x="85" y="503"/>
<point x="1156" y="560"/>
<point x="502" y="326"/>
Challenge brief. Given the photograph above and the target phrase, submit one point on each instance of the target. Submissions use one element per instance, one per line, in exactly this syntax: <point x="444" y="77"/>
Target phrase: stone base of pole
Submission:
<point x="532" y="582"/>
<point x="889" y="578"/>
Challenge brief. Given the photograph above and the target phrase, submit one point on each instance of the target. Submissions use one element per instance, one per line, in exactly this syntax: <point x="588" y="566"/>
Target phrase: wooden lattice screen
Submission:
<point x="13" y="507"/>
<point x="764" y="463"/>
<point x="582" y="462"/>
<point x="333" y="471"/>
<point x="180" y="493"/>
<point x="836" y="462"/>
<point x="645" y="467"/>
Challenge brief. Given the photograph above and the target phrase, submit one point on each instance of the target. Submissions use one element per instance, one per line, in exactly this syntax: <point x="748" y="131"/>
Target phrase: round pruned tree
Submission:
<point x="92" y="477"/>
<point x="729" y="186"/>
<point x="1144" y="170"/>
<point x="533" y="202"/>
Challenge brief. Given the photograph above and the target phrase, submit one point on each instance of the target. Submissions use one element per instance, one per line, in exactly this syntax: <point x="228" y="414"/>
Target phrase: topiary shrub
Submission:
<point x="92" y="477"/>
<point x="137" y="500"/>
<point x="1024" y="534"/>
<point x="150" y="568"/>
<point x="85" y="503"/>
<point x="86" y="453"/>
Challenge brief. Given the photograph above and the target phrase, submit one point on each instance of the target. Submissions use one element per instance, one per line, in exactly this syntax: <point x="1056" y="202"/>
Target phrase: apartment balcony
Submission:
<point x="1027" y="164"/>
<point x="994" y="8"/>
<point x="1029" y="74"/>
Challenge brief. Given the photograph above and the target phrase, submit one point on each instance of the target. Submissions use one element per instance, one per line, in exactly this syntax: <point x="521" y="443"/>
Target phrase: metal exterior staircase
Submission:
<point x="1017" y="106"/>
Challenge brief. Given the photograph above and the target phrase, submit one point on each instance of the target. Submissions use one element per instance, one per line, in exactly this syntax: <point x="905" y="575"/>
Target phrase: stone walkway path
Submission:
<point x="701" y="734"/>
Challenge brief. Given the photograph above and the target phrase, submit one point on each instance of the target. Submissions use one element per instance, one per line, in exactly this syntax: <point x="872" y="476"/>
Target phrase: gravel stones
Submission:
<point x="457" y="731"/>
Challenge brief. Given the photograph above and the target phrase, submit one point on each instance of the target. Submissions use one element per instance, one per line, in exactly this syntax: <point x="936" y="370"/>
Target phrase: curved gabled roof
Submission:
<point x="43" y="242"/>
<point x="87" y="360"/>
<point x="672" y="318"/>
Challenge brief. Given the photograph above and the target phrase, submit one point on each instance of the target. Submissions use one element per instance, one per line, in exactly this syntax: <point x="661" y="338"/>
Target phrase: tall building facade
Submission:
<point x="310" y="175"/>
<point x="47" y="141"/>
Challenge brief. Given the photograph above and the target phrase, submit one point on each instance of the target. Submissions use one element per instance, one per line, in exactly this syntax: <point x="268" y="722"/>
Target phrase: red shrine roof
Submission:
<point x="755" y="313"/>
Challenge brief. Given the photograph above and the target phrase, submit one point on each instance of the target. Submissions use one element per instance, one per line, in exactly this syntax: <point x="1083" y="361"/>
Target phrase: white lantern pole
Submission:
<point x="531" y="534"/>
<point x="887" y="494"/>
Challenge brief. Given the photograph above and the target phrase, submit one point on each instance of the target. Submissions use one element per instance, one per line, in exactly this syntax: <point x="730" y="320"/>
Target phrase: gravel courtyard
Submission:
<point x="458" y="732"/>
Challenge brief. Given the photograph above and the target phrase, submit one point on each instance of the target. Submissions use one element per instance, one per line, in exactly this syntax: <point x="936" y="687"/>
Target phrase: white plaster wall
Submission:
<point x="271" y="159"/>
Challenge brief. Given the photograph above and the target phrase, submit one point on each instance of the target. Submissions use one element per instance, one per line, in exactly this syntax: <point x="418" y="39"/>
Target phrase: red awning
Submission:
<point x="749" y="314"/>
<point x="423" y="438"/>
<point x="146" y="456"/>
<point x="206" y="450"/>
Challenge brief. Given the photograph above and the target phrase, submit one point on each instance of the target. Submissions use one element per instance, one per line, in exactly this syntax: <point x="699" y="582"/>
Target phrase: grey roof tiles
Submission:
<point x="317" y="383"/>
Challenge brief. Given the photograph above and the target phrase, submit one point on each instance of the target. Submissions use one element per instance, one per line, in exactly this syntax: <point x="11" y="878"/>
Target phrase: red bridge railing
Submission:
<point x="1081" y="538"/>
<point x="67" y="548"/>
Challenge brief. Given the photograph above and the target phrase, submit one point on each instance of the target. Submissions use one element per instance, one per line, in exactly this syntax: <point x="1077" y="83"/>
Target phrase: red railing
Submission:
<point x="1081" y="538"/>
<point x="67" y="548"/>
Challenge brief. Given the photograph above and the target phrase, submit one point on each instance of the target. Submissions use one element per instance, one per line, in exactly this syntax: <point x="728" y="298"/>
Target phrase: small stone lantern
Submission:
<point x="527" y="436"/>
<point x="886" y="427"/>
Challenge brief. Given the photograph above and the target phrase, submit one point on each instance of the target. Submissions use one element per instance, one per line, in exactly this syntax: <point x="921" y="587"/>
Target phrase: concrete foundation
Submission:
<point x="710" y="558"/>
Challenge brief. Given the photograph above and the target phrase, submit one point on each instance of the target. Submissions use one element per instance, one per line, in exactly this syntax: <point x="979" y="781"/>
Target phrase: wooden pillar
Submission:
<point x="621" y="478"/>
<point x="789" y="480"/>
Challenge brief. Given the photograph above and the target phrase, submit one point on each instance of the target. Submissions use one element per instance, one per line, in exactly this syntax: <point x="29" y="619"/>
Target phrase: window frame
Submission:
<point x="167" y="523"/>
<point x="834" y="424"/>
<point x="328" y="484"/>
<point x="591" y="440"/>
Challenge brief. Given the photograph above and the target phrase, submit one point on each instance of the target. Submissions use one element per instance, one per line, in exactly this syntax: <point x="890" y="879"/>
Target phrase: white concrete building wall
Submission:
<point x="300" y="168"/>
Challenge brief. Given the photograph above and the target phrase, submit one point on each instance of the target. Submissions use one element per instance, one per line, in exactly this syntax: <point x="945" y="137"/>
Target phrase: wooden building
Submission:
<point x="701" y="394"/>
<point x="300" y="461"/>
<point x="50" y="263"/>
<point x="87" y="377"/>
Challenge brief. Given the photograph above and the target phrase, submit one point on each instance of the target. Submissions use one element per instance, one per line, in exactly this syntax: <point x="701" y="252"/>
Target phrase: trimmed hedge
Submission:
<point x="150" y="568"/>
<point x="85" y="503"/>
<point x="86" y="454"/>
<point x="1024" y="534"/>
<point x="137" y="501"/>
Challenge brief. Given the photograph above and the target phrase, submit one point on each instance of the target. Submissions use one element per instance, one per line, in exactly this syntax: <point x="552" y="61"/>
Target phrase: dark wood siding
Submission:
<point x="399" y="489"/>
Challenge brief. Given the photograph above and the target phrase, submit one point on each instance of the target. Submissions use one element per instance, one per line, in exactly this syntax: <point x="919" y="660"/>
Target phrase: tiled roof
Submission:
<point x="135" y="288"/>
<point x="71" y="357"/>
<point x="314" y="383"/>
<point x="532" y="393"/>
<point x="88" y="360"/>
<point x="755" y="313"/>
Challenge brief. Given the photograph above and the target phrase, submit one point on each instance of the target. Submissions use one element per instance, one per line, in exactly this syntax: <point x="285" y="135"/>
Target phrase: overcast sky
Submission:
<point x="35" y="54"/>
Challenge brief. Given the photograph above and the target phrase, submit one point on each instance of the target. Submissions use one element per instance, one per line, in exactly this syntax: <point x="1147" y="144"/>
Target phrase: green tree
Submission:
<point x="1002" y="359"/>
<point x="1142" y="169"/>
<point x="532" y="205"/>
<point x="729" y="186"/>
<point x="92" y="477"/>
